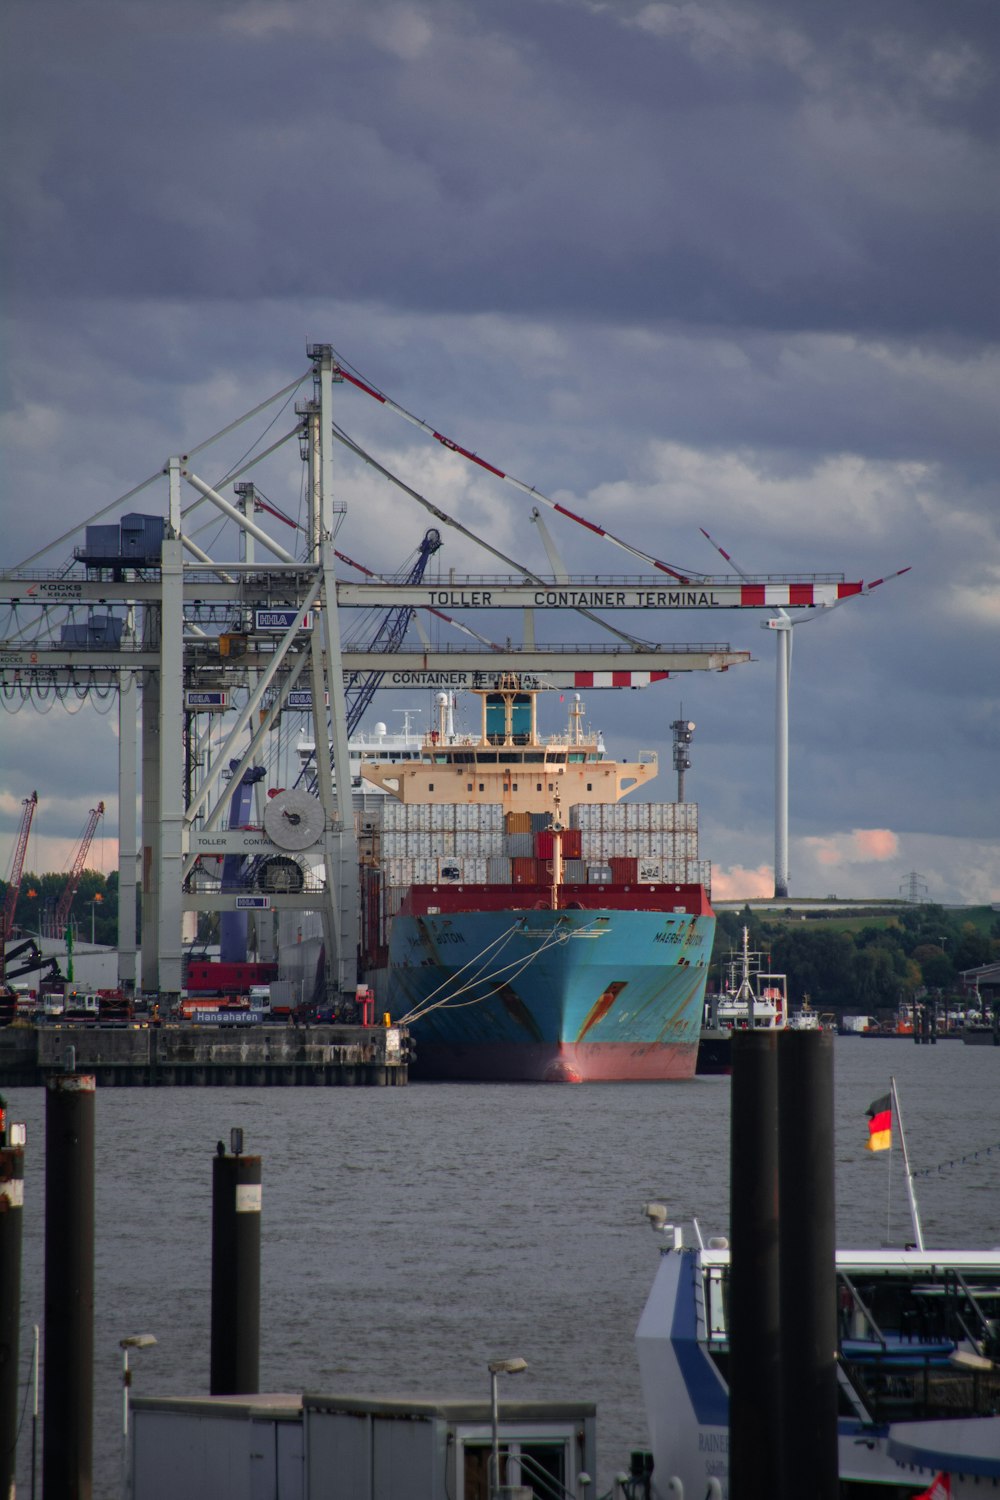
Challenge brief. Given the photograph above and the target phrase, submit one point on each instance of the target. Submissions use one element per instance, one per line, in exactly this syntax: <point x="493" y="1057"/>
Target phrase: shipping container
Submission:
<point x="516" y="822"/>
<point x="498" y="870"/>
<point x="623" y="871"/>
<point x="574" y="872"/>
<point x="648" y="871"/>
<point x="520" y="845"/>
<point x="523" y="870"/>
<point x="598" y="874"/>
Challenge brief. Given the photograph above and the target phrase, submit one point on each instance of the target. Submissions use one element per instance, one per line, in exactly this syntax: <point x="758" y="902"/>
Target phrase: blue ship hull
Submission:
<point x="551" y="995"/>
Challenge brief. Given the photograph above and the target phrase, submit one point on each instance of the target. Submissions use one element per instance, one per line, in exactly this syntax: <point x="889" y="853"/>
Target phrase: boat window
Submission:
<point x="534" y="757"/>
<point x="440" y="760"/>
<point x="576" y="757"/>
<point x="509" y="760"/>
<point x="716" y="1304"/>
<point x="486" y="759"/>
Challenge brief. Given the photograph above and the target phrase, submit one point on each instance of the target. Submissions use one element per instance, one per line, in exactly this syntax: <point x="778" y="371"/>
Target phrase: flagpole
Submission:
<point x="914" y="1211"/>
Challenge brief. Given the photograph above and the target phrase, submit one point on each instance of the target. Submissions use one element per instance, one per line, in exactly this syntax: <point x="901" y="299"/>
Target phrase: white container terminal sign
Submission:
<point x="279" y="619"/>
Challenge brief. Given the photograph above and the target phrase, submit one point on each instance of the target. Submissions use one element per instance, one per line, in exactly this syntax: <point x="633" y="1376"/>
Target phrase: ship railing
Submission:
<point x="925" y="1388"/>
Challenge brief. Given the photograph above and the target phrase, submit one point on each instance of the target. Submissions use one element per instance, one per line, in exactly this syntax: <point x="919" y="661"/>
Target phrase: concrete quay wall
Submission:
<point x="185" y="1055"/>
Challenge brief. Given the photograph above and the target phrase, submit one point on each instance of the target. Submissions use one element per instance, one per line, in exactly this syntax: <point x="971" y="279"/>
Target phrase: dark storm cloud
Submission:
<point x="775" y="167"/>
<point x="673" y="264"/>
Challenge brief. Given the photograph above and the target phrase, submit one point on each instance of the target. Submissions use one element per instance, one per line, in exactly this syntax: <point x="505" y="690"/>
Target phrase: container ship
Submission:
<point x="524" y="921"/>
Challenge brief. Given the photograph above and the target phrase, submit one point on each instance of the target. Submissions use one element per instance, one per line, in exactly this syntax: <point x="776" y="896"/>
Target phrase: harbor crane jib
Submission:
<point x="73" y="883"/>
<point x="14" y="885"/>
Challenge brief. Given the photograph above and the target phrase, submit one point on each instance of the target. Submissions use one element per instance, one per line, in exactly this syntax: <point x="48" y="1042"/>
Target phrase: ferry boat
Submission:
<point x="751" y="999"/>
<point x="918" y="1369"/>
<point x="522" y="919"/>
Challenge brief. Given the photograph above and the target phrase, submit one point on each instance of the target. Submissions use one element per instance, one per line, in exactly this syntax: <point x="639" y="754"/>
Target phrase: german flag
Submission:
<point x="880" y="1124"/>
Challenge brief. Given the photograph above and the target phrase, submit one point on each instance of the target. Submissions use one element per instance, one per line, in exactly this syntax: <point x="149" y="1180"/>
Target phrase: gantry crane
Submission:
<point x="66" y="899"/>
<point x="14" y="886"/>
<point x="359" y="689"/>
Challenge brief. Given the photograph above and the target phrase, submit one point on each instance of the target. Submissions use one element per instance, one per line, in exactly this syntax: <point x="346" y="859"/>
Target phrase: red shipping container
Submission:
<point x="545" y="844"/>
<point x="523" y="871"/>
<point x="624" y="870"/>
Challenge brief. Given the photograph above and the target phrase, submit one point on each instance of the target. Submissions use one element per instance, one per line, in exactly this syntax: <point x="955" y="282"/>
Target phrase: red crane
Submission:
<point x="14" y="885"/>
<point x="66" y="899"/>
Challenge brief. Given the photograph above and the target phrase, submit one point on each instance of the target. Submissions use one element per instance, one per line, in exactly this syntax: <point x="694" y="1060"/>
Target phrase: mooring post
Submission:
<point x="11" y="1234"/>
<point x="754" y="1419"/>
<point x="807" y="1240"/>
<point x="67" y="1429"/>
<point x="236" y="1201"/>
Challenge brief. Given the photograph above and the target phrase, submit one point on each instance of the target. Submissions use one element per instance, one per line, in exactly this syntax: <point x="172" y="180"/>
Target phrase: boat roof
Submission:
<point x="892" y="1259"/>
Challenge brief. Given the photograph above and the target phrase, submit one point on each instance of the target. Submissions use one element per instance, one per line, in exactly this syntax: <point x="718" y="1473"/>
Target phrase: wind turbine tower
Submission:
<point x="782" y="623"/>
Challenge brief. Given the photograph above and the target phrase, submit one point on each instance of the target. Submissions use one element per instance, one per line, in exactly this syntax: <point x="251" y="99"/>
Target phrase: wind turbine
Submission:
<point x="783" y="623"/>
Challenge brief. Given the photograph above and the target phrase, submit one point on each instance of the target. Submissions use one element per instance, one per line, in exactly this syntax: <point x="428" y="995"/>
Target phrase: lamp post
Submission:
<point x="498" y="1367"/>
<point x="134" y="1341"/>
<point x="95" y="901"/>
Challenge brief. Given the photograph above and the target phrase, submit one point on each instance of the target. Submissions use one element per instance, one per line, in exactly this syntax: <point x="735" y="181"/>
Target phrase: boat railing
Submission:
<point x="858" y="1302"/>
<point x="544" y="1486"/>
<point x="920" y="1386"/>
<point x="987" y="1326"/>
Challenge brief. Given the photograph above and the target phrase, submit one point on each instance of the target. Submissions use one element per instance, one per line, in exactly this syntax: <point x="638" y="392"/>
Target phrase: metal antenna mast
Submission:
<point x="683" y="731"/>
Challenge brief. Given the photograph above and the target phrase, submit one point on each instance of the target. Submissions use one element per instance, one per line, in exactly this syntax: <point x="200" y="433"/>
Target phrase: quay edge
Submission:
<point x="199" y="1056"/>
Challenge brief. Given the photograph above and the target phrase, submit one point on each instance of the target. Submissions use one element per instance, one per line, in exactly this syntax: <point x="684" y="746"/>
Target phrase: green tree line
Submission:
<point x="862" y="964"/>
<point x="96" y="901"/>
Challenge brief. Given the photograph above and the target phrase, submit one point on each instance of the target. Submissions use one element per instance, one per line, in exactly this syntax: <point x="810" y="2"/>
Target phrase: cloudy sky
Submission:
<point x="678" y="265"/>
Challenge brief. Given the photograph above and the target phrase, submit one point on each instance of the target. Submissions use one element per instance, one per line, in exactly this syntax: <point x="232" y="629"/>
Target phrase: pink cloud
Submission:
<point x="875" y="843"/>
<point x="740" y="884"/>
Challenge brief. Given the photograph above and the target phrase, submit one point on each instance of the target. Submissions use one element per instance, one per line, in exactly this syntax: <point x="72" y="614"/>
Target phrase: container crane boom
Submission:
<point x="14" y="885"/>
<point x="66" y="899"/>
<point x="359" y="691"/>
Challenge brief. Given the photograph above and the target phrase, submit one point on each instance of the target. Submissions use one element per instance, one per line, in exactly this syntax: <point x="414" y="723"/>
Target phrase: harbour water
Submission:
<point x="410" y="1235"/>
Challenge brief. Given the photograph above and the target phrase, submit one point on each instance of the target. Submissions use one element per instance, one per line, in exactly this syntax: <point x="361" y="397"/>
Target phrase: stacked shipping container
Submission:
<point x="623" y="844"/>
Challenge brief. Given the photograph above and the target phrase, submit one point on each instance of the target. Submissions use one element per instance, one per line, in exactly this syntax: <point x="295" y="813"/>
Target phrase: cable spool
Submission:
<point x="293" y="820"/>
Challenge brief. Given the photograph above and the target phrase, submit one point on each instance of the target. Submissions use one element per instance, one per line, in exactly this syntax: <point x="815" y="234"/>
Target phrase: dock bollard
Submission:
<point x="754" y="1417"/>
<point x="807" y="1247"/>
<point x="68" y="1424"/>
<point x="236" y="1203"/>
<point x="11" y="1238"/>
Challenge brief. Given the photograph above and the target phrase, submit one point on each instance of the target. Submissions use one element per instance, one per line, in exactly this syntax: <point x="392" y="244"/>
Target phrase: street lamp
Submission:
<point x="94" y="902"/>
<point x="134" y="1341"/>
<point x="498" y="1367"/>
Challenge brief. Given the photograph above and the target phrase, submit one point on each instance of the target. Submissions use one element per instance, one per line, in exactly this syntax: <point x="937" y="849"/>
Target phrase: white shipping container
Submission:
<point x="649" y="871"/>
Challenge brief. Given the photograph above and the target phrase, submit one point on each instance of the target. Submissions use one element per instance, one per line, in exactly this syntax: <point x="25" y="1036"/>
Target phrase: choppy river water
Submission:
<point x="409" y="1235"/>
